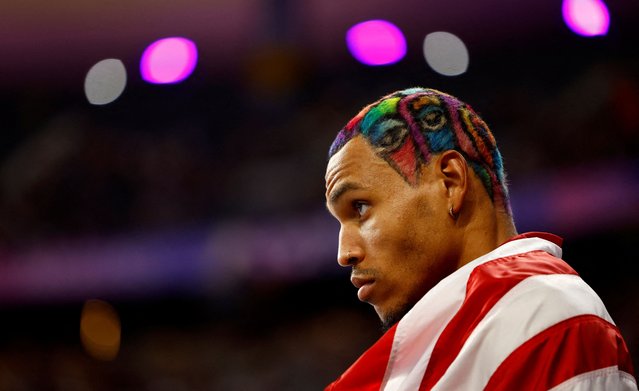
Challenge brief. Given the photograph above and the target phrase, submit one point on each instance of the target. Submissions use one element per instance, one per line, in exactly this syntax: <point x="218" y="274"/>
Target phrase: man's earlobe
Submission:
<point x="454" y="170"/>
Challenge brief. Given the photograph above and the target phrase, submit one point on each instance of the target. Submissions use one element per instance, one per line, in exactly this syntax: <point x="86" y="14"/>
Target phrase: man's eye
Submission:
<point x="361" y="207"/>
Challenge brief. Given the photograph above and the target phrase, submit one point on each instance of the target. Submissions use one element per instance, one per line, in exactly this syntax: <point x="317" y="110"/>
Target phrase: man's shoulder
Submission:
<point x="535" y="282"/>
<point x="518" y="312"/>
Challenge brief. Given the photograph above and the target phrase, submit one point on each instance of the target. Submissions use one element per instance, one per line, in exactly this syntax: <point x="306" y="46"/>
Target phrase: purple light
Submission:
<point x="586" y="17"/>
<point x="376" y="42"/>
<point x="168" y="60"/>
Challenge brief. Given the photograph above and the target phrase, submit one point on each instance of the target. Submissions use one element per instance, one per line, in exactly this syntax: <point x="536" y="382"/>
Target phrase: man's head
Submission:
<point x="407" y="127"/>
<point x="410" y="178"/>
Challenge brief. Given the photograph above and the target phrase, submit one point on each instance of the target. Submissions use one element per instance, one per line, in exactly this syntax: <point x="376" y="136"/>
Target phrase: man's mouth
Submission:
<point x="365" y="286"/>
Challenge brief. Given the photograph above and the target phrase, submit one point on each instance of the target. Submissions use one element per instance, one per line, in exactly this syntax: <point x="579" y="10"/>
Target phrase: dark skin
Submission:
<point x="401" y="240"/>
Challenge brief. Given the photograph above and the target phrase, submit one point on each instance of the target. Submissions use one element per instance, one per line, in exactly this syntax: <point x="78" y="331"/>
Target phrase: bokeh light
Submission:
<point x="105" y="81"/>
<point x="376" y="42"/>
<point x="586" y="17"/>
<point x="168" y="60"/>
<point x="100" y="330"/>
<point x="446" y="53"/>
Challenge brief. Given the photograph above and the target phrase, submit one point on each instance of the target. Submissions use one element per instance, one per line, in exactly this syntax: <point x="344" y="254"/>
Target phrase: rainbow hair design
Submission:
<point x="406" y="127"/>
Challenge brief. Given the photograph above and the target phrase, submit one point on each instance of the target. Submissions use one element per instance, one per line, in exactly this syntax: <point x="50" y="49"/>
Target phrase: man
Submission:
<point x="418" y="186"/>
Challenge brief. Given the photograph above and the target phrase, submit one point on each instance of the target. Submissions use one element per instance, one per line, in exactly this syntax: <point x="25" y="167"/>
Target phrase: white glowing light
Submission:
<point x="105" y="81"/>
<point x="445" y="53"/>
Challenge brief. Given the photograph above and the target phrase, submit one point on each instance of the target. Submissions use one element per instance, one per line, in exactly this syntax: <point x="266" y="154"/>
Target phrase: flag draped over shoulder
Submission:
<point x="517" y="318"/>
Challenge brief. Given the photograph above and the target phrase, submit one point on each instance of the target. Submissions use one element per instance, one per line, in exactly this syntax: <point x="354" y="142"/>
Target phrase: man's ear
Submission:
<point x="454" y="172"/>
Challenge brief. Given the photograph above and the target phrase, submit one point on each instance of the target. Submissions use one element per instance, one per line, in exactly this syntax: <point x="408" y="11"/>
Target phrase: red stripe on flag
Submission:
<point x="486" y="285"/>
<point x="577" y="345"/>
<point x="367" y="373"/>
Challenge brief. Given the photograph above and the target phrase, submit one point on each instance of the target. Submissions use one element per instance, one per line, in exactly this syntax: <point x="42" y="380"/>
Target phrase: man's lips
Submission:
<point x="365" y="285"/>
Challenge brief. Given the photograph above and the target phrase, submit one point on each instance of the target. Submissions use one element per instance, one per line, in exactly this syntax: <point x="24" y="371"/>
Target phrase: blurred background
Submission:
<point x="162" y="220"/>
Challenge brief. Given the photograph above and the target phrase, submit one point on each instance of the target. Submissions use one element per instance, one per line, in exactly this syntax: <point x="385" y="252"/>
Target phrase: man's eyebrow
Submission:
<point x="341" y="189"/>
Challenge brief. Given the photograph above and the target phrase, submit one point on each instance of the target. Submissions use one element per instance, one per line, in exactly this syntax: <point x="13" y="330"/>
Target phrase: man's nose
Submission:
<point x="350" y="251"/>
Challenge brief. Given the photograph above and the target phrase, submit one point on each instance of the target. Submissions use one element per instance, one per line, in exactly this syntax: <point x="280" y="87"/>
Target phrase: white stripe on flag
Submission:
<point x="604" y="379"/>
<point x="530" y="307"/>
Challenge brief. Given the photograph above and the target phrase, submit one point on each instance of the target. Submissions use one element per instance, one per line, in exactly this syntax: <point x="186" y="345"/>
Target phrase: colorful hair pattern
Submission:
<point x="406" y="127"/>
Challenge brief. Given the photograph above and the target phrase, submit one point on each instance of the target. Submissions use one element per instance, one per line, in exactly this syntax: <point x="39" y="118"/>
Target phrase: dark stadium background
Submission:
<point x="196" y="209"/>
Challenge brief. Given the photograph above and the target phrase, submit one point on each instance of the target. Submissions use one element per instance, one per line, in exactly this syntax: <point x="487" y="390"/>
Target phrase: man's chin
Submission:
<point x="390" y="318"/>
<point x="387" y="324"/>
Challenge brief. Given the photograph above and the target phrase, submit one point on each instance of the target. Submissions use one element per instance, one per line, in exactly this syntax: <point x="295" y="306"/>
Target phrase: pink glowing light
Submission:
<point x="376" y="42"/>
<point x="168" y="60"/>
<point x="586" y="17"/>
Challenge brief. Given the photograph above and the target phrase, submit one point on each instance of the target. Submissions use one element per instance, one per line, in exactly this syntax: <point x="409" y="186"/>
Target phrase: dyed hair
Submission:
<point x="407" y="127"/>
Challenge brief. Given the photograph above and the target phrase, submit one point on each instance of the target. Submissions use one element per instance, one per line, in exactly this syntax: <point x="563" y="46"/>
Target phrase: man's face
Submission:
<point x="394" y="236"/>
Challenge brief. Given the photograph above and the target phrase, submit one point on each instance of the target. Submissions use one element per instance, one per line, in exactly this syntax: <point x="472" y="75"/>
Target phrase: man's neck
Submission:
<point x="484" y="235"/>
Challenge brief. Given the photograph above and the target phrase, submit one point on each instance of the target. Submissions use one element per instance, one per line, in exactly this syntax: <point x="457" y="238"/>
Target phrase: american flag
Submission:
<point x="517" y="318"/>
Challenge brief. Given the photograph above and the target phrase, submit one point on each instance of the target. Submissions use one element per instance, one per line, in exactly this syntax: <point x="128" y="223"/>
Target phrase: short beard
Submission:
<point x="393" y="317"/>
